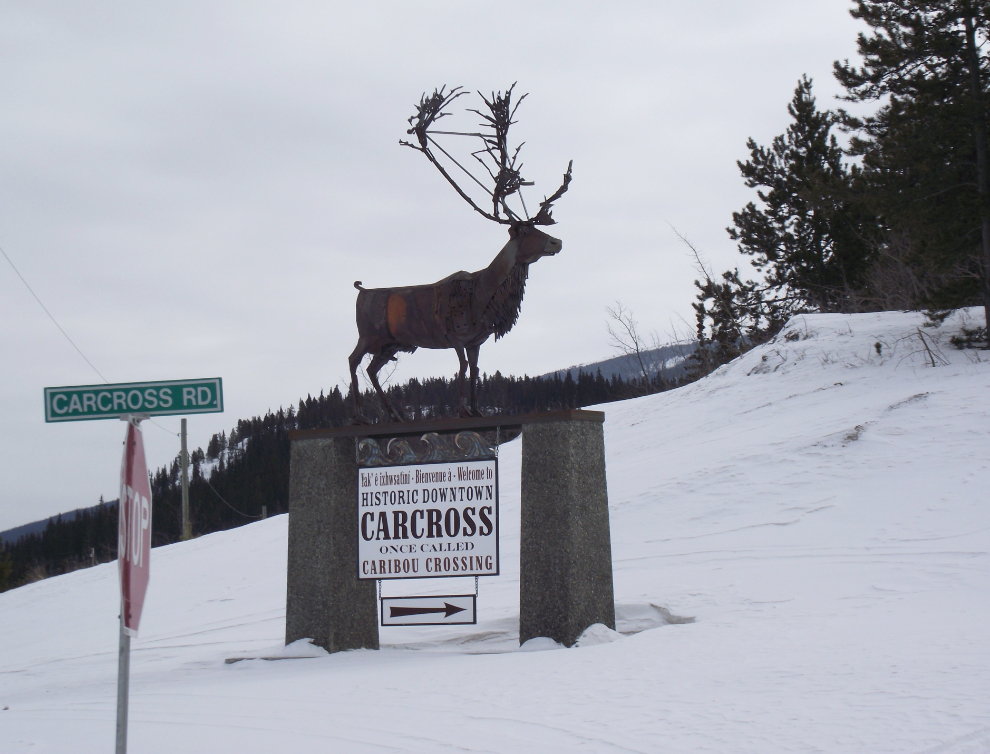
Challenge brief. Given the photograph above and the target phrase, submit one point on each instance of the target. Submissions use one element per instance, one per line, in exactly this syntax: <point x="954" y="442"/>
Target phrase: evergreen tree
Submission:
<point x="732" y="317"/>
<point x="6" y="569"/>
<point x="925" y="150"/>
<point x="808" y="235"/>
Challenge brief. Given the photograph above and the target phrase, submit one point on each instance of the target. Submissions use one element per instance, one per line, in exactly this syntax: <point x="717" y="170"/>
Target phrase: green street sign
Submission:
<point x="164" y="398"/>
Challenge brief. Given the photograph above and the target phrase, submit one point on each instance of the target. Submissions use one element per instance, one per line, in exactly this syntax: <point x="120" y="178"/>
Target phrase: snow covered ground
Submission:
<point x="820" y="506"/>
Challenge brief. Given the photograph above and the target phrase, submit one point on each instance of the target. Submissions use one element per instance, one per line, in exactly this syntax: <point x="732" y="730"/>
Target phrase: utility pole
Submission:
<point x="186" y="523"/>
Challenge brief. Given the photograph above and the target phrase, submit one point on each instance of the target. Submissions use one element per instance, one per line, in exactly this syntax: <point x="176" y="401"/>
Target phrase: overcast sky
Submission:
<point x="192" y="188"/>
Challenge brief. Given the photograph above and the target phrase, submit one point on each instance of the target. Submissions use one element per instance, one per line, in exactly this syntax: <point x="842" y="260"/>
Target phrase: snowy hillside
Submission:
<point x="821" y="507"/>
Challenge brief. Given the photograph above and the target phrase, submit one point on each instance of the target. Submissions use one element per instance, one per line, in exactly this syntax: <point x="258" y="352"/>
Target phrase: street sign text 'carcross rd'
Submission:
<point x="84" y="402"/>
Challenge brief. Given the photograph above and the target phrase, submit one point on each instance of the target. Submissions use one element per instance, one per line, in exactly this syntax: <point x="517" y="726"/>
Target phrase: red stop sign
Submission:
<point x="134" y="529"/>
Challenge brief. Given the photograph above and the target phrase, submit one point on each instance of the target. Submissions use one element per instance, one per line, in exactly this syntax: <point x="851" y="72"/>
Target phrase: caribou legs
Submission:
<point x="470" y="359"/>
<point x="379" y="360"/>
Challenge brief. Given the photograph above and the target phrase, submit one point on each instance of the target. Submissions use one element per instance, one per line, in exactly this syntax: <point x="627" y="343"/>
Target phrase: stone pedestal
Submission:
<point x="325" y="600"/>
<point x="565" y="569"/>
<point x="565" y="554"/>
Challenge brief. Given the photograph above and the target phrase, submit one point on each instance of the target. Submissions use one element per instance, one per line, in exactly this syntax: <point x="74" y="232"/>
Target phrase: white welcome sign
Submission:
<point x="428" y="520"/>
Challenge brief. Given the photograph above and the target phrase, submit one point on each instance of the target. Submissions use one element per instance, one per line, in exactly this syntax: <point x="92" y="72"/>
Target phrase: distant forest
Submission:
<point x="240" y="472"/>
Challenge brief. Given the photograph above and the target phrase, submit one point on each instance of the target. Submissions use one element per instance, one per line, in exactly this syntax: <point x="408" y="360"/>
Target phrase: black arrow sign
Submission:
<point x="447" y="610"/>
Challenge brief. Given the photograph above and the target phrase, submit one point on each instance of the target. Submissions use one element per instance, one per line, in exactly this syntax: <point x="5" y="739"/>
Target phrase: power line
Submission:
<point x="174" y="434"/>
<point x="246" y="515"/>
<point x="62" y="330"/>
<point x="17" y="272"/>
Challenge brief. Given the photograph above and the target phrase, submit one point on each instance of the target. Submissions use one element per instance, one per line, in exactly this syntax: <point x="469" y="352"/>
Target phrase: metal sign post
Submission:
<point x="123" y="687"/>
<point x="133" y="559"/>
<point x="133" y="402"/>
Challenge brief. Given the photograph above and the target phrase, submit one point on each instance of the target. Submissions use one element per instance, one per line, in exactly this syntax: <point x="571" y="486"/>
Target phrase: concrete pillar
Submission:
<point x="325" y="601"/>
<point x="565" y="569"/>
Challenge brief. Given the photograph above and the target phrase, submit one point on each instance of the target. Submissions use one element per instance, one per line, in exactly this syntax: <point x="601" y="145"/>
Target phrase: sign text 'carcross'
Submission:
<point x="84" y="402"/>
<point x="428" y="520"/>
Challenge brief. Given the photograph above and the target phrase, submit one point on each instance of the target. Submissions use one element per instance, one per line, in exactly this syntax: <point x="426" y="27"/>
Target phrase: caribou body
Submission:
<point x="461" y="312"/>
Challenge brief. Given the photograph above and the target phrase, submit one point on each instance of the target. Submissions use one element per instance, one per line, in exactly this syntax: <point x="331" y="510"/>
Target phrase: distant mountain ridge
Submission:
<point x="36" y="527"/>
<point x="669" y="360"/>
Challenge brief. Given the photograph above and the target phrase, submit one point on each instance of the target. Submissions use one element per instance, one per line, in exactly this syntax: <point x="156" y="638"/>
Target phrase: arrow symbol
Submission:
<point x="447" y="610"/>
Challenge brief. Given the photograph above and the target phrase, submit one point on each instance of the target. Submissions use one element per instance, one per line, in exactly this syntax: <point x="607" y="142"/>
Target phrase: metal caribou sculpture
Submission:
<point x="464" y="309"/>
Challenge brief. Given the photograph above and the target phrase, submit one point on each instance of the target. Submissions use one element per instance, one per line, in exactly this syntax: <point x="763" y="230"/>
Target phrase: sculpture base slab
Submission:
<point x="565" y="551"/>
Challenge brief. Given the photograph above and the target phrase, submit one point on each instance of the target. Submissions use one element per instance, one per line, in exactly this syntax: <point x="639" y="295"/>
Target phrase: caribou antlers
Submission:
<point x="495" y="156"/>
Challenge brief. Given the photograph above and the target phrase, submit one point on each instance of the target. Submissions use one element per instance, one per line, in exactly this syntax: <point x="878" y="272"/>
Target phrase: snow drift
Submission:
<point x="819" y="507"/>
